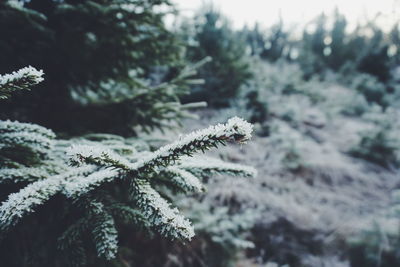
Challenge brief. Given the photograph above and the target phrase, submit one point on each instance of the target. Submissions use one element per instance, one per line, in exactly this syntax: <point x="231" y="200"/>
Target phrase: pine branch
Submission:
<point x="105" y="235"/>
<point x="208" y="166"/>
<point x="22" y="79"/>
<point x="33" y="141"/>
<point x="19" y="204"/>
<point x="16" y="127"/>
<point x="77" y="256"/>
<point x="23" y="202"/>
<point x="72" y="246"/>
<point x="72" y="235"/>
<point x="101" y="225"/>
<point x="104" y="165"/>
<point x="124" y="213"/>
<point x="235" y="129"/>
<point x="98" y="155"/>
<point x="9" y="175"/>
<point x="80" y="186"/>
<point x="158" y="212"/>
<point x="182" y="179"/>
<point x="25" y="138"/>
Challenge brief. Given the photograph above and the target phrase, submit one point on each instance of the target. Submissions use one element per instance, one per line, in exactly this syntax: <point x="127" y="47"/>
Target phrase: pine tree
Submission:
<point x="110" y="65"/>
<point x="64" y="201"/>
<point x="213" y="37"/>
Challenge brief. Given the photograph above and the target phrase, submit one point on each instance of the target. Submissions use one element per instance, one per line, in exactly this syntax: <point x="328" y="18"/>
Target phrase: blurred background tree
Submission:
<point x="212" y="36"/>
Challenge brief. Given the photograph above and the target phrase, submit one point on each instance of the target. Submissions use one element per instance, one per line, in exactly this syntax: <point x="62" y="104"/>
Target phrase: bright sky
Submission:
<point x="267" y="12"/>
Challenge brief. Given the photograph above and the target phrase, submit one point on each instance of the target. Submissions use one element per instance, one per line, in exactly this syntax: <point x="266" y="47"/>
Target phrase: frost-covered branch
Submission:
<point x="105" y="235"/>
<point x="16" y="175"/>
<point x="19" y="204"/>
<point x="78" y="186"/>
<point x="98" y="155"/>
<point x="22" y="79"/>
<point x="235" y="129"/>
<point x="183" y="179"/>
<point x="34" y="141"/>
<point x="23" y="202"/>
<point x="208" y="166"/>
<point x="17" y="127"/>
<point x="102" y="165"/>
<point x="32" y="137"/>
<point x="158" y="212"/>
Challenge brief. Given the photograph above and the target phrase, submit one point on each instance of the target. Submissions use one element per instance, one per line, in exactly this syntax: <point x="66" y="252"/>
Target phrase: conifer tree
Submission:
<point x="110" y="65"/>
<point x="64" y="202"/>
<point x="272" y="44"/>
<point x="228" y="70"/>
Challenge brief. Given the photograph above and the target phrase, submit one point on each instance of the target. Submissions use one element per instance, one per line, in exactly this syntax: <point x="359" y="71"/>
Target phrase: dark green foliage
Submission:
<point x="104" y="63"/>
<point x="374" y="58"/>
<point x="395" y="44"/>
<point x="337" y="43"/>
<point x="257" y="108"/>
<point x="110" y="66"/>
<point x="271" y="45"/>
<point x="228" y="69"/>
<point x="76" y="223"/>
<point x="78" y="212"/>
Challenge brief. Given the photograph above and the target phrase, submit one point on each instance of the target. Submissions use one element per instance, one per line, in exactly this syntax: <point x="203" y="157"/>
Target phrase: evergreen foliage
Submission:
<point x="19" y="80"/>
<point x="327" y="103"/>
<point x="270" y="45"/>
<point x="110" y="65"/>
<point x="211" y="36"/>
<point x="84" y="189"/>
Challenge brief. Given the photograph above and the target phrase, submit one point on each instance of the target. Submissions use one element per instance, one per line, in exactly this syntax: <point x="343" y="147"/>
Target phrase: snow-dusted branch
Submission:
<point x="15" y="126"/>
<point x="15" y="175"/>
<point x="34" y="141"/>
<point x="79" y="186"/>
<point x="235" y="129"/>
<point x="98" y="155"/>
<point x="23" y="202"/>
<point x="22" y="79"/>
<point x="105" y="235"/>
<point x="157" y="210"/>
<point x="19" y="204"/>
<point x="207" y="166"/>
<point x="104" y="165"/>
<point x="183" y="179"/>
<point x="17" y="134"/>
